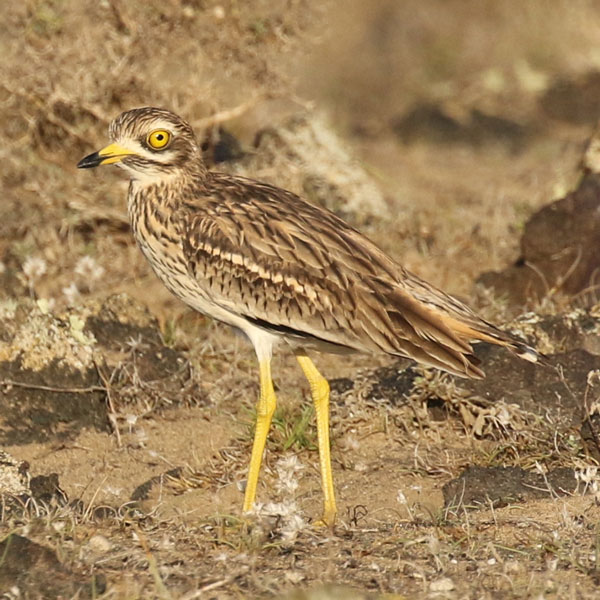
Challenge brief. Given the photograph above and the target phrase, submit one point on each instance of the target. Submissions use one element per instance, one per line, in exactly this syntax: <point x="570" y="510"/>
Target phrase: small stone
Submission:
<point x="14" y="475"/>
<point x="512" y="566"/>
<point x="444" y="584"/>
<point x="99" y="544"/>
<point x="294" y="577"/>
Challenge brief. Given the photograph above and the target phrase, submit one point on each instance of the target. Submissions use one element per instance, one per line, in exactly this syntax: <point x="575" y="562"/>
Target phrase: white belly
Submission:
<point x="187" y="289"/>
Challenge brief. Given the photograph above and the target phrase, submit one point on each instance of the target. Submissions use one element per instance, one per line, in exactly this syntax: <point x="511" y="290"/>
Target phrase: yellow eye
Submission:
<point x="158" y="139"/>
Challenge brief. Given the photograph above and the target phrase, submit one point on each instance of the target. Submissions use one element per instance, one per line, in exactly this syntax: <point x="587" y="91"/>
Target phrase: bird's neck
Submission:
<point x="168" y="189"/>
<point x="151" y="207"/>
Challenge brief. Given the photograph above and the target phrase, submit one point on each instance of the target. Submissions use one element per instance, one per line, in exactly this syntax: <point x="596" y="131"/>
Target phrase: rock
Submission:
<point x="219" y="146"/>
<point x="49" y="382"/>
<point x="14" y="476"/>
<point x="499" y="486"/>
<point x="17" y="488"/>
<point x="46" y="489"/>
<point x="441" y="585"/>
<point x="573" y="100"/>
<point x="431" y="122"/>
<point x="390" y="384"/>
<point x="318" y="166"/>
<point x="119" y="319"/>
<point x="54" y="368"/>
<point x="36" y="572"/>
<point x="516" y="395"/>
<point x="98" y="544"/>
<point x="577" y="329"/>
<point x="533" y="388"/>
<point x="509" y="382"/>
<point x="558" y="251"/>
<point x="515" y="399"/>
<point x="33" y="337"/>
<point x="144" y="491"/>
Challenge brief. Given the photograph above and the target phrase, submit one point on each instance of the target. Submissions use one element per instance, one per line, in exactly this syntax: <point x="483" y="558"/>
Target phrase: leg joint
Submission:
<point x="265" y="409"/>
<point x="320" y="388"/>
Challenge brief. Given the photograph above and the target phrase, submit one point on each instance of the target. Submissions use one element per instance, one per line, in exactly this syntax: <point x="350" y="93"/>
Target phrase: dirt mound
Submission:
<point x="558" y="251"/>
<point x="60" y="373"/>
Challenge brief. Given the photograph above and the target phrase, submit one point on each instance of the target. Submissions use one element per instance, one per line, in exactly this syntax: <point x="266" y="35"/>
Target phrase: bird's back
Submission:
<point x="298" y="270"/>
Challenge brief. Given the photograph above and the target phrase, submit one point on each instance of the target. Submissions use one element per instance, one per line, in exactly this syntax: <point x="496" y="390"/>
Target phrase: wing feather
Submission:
<point x="279" y="261"/>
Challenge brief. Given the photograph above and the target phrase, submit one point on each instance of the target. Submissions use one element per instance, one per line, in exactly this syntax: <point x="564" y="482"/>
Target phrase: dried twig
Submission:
<point x="112" y="413"/>
<point x="227" y="115"/>
<point x="49" y="388"/>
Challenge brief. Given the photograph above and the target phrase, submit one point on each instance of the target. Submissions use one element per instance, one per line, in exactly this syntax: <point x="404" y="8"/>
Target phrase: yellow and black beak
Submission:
<point x="113" y="153"/>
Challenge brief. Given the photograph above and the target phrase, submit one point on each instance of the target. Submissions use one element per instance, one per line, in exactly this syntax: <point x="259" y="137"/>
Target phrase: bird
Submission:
<point x="283" y="271"/>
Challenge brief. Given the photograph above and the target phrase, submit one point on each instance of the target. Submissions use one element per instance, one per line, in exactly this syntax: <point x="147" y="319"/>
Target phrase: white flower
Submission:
<point x="131" y="420"/>
<point x="88" y="268"/>
<point x="280" y="509"/>
<point x="34" y="268"/>
<point x="587" y="475"/>
<point x="287" y="468"/>
<point x="113" y="490"/>
<point x="593" y="377"/>
<point x="71" y="293"/>
<point x="290" y="521"/>
<point x="293" y="525"/>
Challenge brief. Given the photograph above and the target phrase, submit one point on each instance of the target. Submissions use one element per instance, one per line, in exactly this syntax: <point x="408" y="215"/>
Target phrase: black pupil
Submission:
<point x="159" y="137"/>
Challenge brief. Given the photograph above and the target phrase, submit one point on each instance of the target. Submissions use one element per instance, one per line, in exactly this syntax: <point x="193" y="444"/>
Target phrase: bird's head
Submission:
<point x="152" y="144"/>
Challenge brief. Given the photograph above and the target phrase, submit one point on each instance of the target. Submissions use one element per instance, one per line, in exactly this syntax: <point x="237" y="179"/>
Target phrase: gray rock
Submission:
<point x="306" y="156"/>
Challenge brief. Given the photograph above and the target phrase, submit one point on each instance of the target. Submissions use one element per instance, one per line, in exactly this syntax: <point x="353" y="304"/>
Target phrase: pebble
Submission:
<point x="444" y="584"/>
<point x="99" y="544"/>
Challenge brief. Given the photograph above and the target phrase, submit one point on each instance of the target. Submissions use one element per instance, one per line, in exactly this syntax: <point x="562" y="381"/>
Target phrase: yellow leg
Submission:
<point x="320" y="394"/>
<point x="264" y="413"/>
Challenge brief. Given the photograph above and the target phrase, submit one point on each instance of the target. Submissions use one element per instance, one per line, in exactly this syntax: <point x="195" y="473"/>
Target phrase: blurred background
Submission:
<point x="438" y="128"/>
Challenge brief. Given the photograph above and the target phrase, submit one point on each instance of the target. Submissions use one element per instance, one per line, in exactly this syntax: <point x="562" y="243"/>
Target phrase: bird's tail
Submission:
<point x="483" y="331"/>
